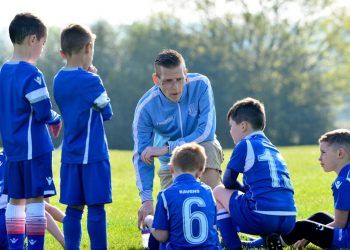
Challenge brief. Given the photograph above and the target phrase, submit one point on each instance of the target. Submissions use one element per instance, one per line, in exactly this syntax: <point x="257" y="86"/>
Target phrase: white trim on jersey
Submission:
<point x="37" y="95"/>
<point x="46" y="192"/>
<point x="86" y="153"/>
<point x="165" y="204"/>
<point x="29" y="136"/>
<point x="250" y="157"/>
<point x="3" y="201"/>
<point x="102" y="101"/>
<point x="281" y="213"/>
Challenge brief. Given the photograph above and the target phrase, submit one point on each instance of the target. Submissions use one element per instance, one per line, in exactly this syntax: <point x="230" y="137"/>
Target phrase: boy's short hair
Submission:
<point x="338" y="138"/>
<point x="189" y="157"/>
<point x="75" y="37"/>
<point x="168" y="58"/>
<point x="249" y="110"/>
<point x="26" y="24"/>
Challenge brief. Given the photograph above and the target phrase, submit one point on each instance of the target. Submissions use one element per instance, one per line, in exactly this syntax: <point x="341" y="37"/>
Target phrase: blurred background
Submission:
<point x="292" y="55"/>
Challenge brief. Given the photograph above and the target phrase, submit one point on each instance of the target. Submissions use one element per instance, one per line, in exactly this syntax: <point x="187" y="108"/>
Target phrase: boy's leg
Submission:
<point x="72" y="227"/>
<point x="319" y="234"/>
<point x="35" y="223"/>
<point x="3" y="233"/>
<point x="54" y="230"/>
<point x="96" y="225"/>
<point x="15" y="223"/>
<point x="224" y="221"/>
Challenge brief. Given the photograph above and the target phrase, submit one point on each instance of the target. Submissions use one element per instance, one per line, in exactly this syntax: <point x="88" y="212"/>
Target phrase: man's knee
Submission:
<point x="211" y="177"/>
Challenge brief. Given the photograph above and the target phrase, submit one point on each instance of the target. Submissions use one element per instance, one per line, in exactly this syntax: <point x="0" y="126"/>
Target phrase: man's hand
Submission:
<point x="145" y="209"/>
<point x="55" y="129"/>
<point x="150" y="152"/>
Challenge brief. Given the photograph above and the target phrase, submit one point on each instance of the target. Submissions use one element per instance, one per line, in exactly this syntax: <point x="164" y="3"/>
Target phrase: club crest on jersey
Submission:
<point x="192" y="110"/>
<point x="38" y="80"/>
<point x="49" y="180"/>
<point x="13" y="240"/>
<point x="337" y="184"/>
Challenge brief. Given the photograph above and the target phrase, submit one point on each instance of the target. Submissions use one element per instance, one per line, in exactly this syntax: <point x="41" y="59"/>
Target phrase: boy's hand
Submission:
<point x="55" y="129"/>
<point x="145" y="209"/>
<point x="92" y="69"/>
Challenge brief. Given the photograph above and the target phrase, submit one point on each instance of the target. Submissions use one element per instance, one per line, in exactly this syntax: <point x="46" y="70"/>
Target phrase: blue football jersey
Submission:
<point x="25" y="109"/>
<point x="2" y="171"/>
<point x="187" y="210"/>
<point x="84" y="106"/>
<point x="265" y="175"/>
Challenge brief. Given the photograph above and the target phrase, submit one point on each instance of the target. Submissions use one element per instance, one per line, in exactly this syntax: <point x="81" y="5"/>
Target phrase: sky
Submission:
<point x="116" y="12"/>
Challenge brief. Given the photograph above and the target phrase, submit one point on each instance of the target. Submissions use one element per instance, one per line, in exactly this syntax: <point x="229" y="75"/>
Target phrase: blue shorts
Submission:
<point x="86" y="184"/>
<point x="30" y="178"/>
<point x="3" y="234"/>
<point x="247" y="221"/>
<point x="341" y="238"/>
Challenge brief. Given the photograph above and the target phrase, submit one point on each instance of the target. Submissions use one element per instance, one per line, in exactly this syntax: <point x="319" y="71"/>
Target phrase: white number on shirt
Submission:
<point x="189" y="218"/>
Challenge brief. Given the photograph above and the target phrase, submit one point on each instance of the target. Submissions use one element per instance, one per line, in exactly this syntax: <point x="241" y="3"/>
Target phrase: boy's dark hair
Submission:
<point x="168" y="58"/>
<point x="338" y="137"/>
<point x="189" y="157"/>
<point x="26" y="24"/>
<point x="74" y="38"/>
<point x="249" y="110"/>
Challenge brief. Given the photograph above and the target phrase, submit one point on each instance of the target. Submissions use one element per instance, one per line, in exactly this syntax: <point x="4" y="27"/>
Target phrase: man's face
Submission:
<point x="171" y="81"/>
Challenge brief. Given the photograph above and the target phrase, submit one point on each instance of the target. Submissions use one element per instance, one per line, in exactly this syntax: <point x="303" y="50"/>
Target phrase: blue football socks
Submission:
<point x="96" y="225"/>
<point x="72" y="228"/>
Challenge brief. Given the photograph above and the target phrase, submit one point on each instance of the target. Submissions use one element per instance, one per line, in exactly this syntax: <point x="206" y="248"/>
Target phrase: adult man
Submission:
<point x="178" y="109"/>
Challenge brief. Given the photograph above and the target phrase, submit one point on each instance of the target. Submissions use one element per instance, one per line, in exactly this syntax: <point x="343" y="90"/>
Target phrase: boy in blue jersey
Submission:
<point x="185" y="215"/>
<point x="322" y="229"/>
<point x="25" y="111"/>
<point x="85" y="170"/>
<point x="3" y="204"/>
<point x="267" y="206"/>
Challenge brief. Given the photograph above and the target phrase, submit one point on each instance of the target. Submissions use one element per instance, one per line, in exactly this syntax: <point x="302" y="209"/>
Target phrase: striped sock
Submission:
<point x="36" y="226"/>
<point x="15" y="226"/>
<point x="228" y="233"/>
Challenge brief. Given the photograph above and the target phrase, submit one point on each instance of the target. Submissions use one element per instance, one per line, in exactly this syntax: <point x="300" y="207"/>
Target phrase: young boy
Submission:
<point x="267" y="206"/>
<point x="85" y="169"/>
<point x="185" y="212"/>
<point x="3" y="204"/>
<point x="25" y="111"/>
<point x="322" y="229"/>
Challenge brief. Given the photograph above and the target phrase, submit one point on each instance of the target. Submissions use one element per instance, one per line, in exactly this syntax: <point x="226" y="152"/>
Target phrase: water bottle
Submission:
<point x="145" y="233"/>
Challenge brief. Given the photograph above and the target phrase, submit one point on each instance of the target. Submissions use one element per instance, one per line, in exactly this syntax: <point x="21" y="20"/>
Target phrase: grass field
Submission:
<point x="311" y="184"/>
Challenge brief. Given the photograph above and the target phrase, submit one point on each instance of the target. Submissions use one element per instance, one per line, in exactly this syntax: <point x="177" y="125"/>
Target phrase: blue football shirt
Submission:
<point x="265" y="175"/>
<point x="187" y="210"/>
<point x="25" y="109"/>
<point x="84" y="105"/>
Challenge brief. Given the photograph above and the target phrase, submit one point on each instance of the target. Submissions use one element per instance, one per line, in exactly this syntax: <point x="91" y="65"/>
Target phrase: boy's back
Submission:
<point x="24" y="109"/>
<point x="75" y="91"/>
<point x="265" y="175"/>
<point x="187" y="210"/>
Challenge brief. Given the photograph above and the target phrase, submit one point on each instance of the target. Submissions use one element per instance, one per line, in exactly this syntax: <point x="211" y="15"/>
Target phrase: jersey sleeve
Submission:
<point x="161" y="219"/>
<point x="97" y="97"/>
<point x="342" y="199"/>
<point x="238" y="157"/>
<point x="36" y="93"/>
<point x="206" y="119"/>
<point x="143" y="137"/>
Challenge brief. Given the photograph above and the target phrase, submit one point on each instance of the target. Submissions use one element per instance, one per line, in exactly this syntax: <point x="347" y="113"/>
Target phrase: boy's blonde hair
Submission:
<point x="189" y="157"/>
<point x="338" y="138"/>
<point x="75" y="37"/>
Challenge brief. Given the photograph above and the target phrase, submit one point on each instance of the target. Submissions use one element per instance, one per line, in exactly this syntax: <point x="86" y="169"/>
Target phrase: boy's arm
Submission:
<point x="102" y="103"/>
<point x="159" y="234"/>
<point x="340" y="218"/>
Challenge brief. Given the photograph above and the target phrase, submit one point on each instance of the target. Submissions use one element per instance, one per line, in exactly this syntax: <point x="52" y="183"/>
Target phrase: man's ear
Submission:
<point x="155" y="79"/>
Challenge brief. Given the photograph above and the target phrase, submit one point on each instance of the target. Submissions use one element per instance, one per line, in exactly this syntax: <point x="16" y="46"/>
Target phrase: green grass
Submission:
<point x="311" y="184"/>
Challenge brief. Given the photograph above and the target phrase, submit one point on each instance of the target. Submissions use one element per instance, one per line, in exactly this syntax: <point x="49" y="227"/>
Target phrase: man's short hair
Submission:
<point x="26" y="24"/>
<point x="74" y="38"/>
<point x="337" y="138"/>
<point x="249" y="110"/>
<point x="189" y="157"/>
<point x="168" y="58"/>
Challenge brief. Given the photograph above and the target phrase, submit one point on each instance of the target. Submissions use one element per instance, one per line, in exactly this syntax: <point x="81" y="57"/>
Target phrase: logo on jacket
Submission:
<point x="166" y="121"/>
<point x="38" y="80"/>
<point x="192" y="110"/>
